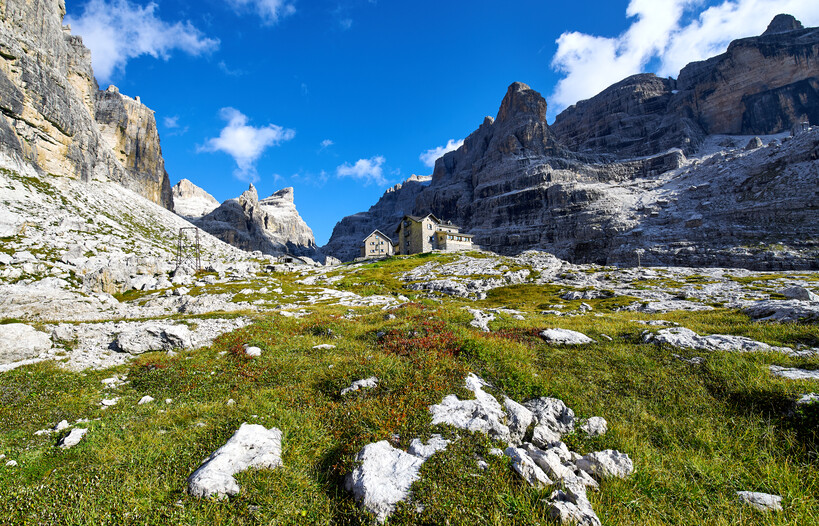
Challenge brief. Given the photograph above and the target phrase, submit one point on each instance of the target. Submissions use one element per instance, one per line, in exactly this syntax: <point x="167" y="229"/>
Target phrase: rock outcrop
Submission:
<point x="49" y="101"/>
<point x="761" y="85"/>
<point x="271" y="225"/>
<point x="192" y="202"/>
<point x="629" y="119"/>
<point x="636" y="175"/>
<point x="129" y="128"/>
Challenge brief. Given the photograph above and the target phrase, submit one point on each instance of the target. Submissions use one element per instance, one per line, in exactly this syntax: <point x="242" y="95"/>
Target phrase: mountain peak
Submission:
<point x="783" y="23"/>
<point x="520" y="99"/>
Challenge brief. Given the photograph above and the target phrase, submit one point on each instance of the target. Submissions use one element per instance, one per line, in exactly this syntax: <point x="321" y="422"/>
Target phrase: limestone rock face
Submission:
<point x="642" y="173"/>
<point x="271" y="225"/>
<point x="761" y="85"/>
<point x="629" y="119"/>
<point x="192" y="202"/>
<point x="48" y="102"/>
<point x="129" y="128"/>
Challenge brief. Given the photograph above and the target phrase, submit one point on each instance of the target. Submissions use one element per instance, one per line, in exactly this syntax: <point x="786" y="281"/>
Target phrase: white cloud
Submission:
<point x="270" y="11"/>
<point x="171" y="122"/>
<point x="430" y="156"/>
<point x="592" y="63"/>
<point x="326" y="143"/>
<point x="245" y="143"/>
<point x="367" y="170"/>
<point x="118" y="30"/>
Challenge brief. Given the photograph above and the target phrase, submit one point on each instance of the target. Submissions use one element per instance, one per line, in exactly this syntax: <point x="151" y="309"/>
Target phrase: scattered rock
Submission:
<point x="481" y="319"/>
<point x="21" y="342"/>
<point x="807" y="399"/>
<point x="108" y="402"/>
<point x="324" y="346"/>
<point x="518" y="418"/>
<point x="483" y="414"/>
<point x="11" y="463"/>
<point x="565" y="337"/>
<point x="367" y="383"/>
<point x="595" y="426"/>
<point x="147" y="399"/>
<point x="571" y="506"/>
<point x="761" y="501"/>
<point x="251" y="446"/>
<point x="686" y="338"/>
<point x="784" y="310"/>
<point x="799" y="293"/>
<point x="551" y="413"/>
<point x="253" y="351"/>
<point x="382" y="478"/>
<point x="794" y="374"/>
<point x="608" y="463"/>
<point x="424" y="451"/>
<point x="526" y="467"/>
<point x="154" y="337"/>
<point x="73" y="438"/>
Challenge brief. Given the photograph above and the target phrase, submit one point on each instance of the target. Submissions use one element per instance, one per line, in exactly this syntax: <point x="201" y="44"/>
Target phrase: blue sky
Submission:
<point x="341" y="99"/>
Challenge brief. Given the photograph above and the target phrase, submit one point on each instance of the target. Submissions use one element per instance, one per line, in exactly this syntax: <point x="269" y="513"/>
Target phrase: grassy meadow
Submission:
<point x="696" y="433"/>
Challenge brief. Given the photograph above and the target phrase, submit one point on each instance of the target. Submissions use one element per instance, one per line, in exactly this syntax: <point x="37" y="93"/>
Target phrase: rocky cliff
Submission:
<point x="192" y="202"/>
<point x="271" y="225"/>
<point x="640" y="169"/>
<point x="50" y="101"/>
<point x="760" y="85"/>
<point x="129" y="128"/>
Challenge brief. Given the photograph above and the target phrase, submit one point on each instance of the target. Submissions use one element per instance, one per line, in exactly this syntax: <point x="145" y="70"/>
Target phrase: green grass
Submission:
<point x="696" y="434"/>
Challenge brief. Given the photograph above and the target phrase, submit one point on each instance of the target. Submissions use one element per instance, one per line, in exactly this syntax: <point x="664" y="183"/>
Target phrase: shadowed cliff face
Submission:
<point x="638" y="168"/>
<point x="49" y="100"/>
<point x="761" y="85"/>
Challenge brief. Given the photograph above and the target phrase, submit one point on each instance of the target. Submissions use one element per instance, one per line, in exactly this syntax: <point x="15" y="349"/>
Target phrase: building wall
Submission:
<point x="417" y="237"/>
<point x="376" y="246"/>
<point x="450" y="242"/>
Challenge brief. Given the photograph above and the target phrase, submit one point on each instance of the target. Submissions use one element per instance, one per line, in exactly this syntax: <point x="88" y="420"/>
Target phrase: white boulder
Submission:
<point x="251" y="446"/>
<point x="565" y="337"/>
<point x="19" y="341"/>
<point x="73" y="438"/>
<point x="608" y="463"/>
<point x="527" y="468"/>
<point x="424" y="451"/>
<point x="367" y="383"/>
<point x="483" y="414"/>
<point x="761" y="501"/>
<point x="383" y="478"/>
<point x="595" y="426"/>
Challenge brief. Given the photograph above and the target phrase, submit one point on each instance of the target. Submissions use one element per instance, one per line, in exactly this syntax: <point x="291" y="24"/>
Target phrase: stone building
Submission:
<point x="425" y="234"/>
<point x="377" y="244"/>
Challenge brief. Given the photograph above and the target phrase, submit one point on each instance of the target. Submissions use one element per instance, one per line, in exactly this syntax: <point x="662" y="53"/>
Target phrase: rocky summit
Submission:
<point x="713" y="168"/>
<point x="271" y="225"/>
<point x="192" y="202"/>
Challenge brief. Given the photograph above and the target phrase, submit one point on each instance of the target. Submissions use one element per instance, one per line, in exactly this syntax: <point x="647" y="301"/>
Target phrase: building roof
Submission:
<point x="417" y="219"/>
<point x="376" y="231"/>
<point x="453" y="233"/>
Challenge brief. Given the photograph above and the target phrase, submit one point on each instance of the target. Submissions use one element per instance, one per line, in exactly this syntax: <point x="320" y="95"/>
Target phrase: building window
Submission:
<point x="429" y="226"/>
